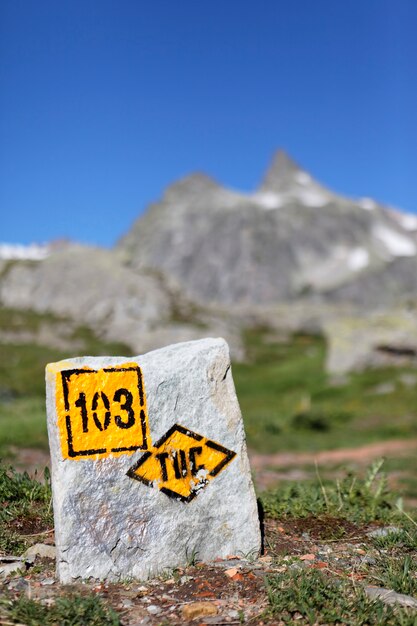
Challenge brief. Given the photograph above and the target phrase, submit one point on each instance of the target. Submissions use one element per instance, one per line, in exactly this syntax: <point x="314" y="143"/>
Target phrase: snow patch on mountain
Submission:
<point x="268" y="199"/>
<point x="32" y="252"/>
<point x="311" y="197"/>
<point x="303" y="178"/>
<point x="396" y="243"/>
<point x="358" y="259"/>
<point x="368" y="204"/>
<point x="408" y="221"/>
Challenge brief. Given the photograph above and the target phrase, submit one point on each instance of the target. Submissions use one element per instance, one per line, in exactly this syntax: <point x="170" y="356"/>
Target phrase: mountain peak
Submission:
<point x="282" y="173"/>
<point x="192" y="184"/>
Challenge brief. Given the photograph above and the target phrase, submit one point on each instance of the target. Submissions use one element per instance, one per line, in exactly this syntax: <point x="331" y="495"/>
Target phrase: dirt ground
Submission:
<point x="230" y="591"/>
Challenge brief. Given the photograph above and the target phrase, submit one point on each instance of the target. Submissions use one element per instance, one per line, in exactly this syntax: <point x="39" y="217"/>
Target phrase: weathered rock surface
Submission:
<point x="291" y="238"/>
<point x="389" y="596"/>
<point x="42" y="550"/>
<point x="91" y="287"/>
<point x="88" y="285"/>
<point x="197" y="610"/>
<point x="109" y="525"/>
<point x="207" y="261"/>
<point x="10" y="564"/>
<point x="355" y="343"/>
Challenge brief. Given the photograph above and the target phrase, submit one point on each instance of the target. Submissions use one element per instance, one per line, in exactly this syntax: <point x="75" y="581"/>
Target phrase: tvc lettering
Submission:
<point x="181" y="464"/>
<point x="177" y="461"/>
<point x="102" y="412"/>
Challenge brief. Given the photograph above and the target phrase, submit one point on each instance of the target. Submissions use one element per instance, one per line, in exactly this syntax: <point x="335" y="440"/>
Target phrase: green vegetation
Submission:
<point x="306" y="595"/>
<point x="22" y="371"/>
<point x="66" y="611"/>
<point x="25" y="508"/>
<point x="289" y="403"/>
<point x="287" y="399"/>
<point x="312" y="597"/>
<point x="398" y="538"/>
<point x="360" y="499"/>
<point x="298" y="592"/>
<point x="395" y="573"/>
<point x="405" y="471"/>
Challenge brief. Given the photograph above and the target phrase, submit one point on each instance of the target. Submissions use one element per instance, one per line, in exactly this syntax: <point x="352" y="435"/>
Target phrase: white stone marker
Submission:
<point x="149" y="462"/>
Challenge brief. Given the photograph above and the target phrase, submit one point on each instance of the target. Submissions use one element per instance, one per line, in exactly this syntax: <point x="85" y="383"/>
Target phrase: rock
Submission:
<point x="153" y="609"/>
<point x="291" y="239"/>
<point x="231" y="563"/>
<point x="231" y="572"/>
<point x="385" y="531"/>
<point x="126" y="508"/>
<point x="233" y="614"/>
<point x="6" y="569"/>
<point x="389" y="596"/>
<point x="84" y="286"/>
<point x="127" y="603"/>
<point x="195" y="610"/>
<point x="11" y="564"/>
<point x="408" y="380"/>
<point x="19" y="584"/>
<point x="42" y="550"/>
<point x="185" y="579"/>
<point x="381" y="339"/>
<point x="382" y="389"/>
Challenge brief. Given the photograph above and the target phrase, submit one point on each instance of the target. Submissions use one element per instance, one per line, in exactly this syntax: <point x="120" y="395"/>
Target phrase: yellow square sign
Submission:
<point x="102" y="412"/>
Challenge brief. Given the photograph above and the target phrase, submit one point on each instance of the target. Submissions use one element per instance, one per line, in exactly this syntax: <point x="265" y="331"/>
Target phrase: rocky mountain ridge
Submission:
<point x="206" y="260"/>
<point x="290" y="239"/>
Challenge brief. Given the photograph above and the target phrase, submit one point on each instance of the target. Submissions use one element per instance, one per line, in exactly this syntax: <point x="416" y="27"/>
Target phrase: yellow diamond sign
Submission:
<point x="181" y="463"/>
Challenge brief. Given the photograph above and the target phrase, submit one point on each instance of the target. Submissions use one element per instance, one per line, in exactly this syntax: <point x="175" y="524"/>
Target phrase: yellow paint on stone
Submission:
<point x="52" y="370"/>
<point x="101" y="412"/>
<point x="181" y="463"/>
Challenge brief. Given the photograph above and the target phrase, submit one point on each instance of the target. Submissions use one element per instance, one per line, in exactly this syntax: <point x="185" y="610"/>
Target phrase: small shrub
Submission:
<point x="357" y="499"/>
<point x="318" y="420"/>
<point x="311" y="597"/>
<point x="395" y="573"/>
<point x="311" y="421"/>
<point x="25" y="508"/>
<point x="67" y="611"/>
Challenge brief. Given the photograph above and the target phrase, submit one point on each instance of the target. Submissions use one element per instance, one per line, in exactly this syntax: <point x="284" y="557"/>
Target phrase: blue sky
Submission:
<point x="104" y="103"/>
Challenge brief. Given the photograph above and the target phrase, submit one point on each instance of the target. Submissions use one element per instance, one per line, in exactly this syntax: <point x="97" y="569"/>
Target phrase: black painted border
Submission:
<point x="65" y="377"/>
<point x="229" y="455"/>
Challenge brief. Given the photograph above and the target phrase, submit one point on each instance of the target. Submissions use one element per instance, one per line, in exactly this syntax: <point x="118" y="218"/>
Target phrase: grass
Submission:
<point x="397" y="538"/>
<point x="73" y="610"/>
<point x="404" y="473"/>
<point x="397" y="573"/>
<point x="23" y="424"/>
<point x="298" y="595"/>
<point x="290" y="403"/>
<point x="25" y="508"/>
<point x="312" y="597"/>
<point x="359" y="499"/>
<point x="287" y="399"/>
<point x="22" y="374"/>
